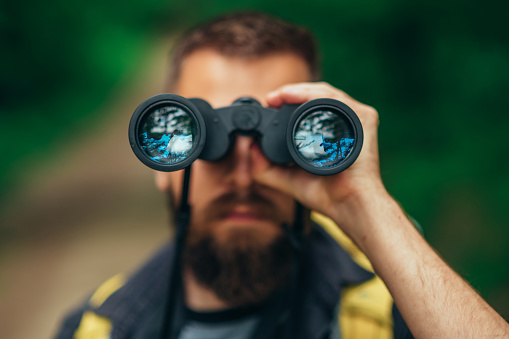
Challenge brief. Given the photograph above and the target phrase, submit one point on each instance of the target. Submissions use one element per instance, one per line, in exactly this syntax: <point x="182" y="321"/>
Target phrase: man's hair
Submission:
<point x="247" y="35"/>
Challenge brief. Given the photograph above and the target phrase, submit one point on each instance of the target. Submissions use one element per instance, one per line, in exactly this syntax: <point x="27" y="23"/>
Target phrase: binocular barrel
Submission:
<point x="168" y="132"/>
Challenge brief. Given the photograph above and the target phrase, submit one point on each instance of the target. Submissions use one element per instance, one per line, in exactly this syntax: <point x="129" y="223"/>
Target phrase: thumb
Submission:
<point x="267" y="173"/>
<point x="289" y="180"/>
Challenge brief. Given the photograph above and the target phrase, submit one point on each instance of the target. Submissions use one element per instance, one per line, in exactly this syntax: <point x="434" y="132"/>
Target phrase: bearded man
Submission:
<point x="239" y="260"/>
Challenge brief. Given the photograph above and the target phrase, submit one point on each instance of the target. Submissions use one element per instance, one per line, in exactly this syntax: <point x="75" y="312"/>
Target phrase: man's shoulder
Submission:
<point x="367" y="308"/>
<point x="342" y="240"/>
<point x="120" y="303"/>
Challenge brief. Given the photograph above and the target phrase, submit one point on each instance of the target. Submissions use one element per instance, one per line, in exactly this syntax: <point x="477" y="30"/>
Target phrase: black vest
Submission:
<point x="326" y="269"/>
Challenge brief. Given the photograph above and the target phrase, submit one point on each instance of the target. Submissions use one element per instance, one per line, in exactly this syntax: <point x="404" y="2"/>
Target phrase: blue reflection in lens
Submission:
<point x="324" y="138"/>
<point x="167" y="134"/>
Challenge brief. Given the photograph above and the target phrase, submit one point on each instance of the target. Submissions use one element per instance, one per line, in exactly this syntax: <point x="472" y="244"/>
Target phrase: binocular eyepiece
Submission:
<point x="168" y="132"/>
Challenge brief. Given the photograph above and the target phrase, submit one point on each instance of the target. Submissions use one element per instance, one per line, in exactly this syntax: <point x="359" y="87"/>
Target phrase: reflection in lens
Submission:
<point x="324" y="138"/>
<point x="167" y="134"/>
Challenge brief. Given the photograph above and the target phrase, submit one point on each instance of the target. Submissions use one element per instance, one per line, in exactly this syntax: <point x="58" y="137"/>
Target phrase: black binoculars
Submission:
<point x="168" y="132"/>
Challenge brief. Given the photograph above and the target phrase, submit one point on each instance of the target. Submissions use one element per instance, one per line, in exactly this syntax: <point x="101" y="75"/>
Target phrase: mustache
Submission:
<point x="224" y="204"/>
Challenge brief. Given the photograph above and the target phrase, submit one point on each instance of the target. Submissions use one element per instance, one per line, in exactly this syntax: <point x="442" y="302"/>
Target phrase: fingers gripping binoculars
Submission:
<point x="168" y="132"/>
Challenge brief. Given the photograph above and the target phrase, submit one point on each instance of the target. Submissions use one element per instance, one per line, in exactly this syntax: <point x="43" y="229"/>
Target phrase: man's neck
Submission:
<point x="198" y="297"/>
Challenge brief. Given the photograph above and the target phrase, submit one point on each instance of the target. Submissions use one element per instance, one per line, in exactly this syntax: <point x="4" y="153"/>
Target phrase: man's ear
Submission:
<point x="162" y="180"/>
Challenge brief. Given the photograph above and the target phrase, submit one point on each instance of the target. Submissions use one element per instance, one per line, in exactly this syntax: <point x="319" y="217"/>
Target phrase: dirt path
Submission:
<point x="90" y="213"/>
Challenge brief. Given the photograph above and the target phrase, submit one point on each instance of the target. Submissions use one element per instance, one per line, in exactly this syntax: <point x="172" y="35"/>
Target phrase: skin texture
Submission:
<point x="434" y="301"/>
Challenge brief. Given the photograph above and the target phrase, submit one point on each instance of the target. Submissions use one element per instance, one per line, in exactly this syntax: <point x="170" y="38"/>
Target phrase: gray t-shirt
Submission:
<point x="234" y="329"/>
<point x="229" y="324"/>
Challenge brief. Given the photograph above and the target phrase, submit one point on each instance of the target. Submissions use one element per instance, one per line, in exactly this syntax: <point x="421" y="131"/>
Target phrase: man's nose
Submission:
<point x="241" y="170"/>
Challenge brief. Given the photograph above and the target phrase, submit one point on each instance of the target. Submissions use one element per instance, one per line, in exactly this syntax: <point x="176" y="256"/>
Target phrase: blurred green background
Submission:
<point x="437" y="71"/>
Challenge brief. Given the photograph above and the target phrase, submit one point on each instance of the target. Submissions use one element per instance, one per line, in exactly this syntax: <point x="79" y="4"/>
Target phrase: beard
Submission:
<point x="241" y="265"/>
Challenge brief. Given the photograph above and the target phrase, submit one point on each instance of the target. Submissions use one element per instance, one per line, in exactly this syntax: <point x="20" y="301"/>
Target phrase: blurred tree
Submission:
<point x="60" y="60"/>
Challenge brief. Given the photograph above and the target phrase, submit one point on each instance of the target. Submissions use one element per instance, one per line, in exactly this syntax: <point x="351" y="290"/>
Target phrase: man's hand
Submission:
<point x="434" y="301"/>
<point x="326" y="194"/>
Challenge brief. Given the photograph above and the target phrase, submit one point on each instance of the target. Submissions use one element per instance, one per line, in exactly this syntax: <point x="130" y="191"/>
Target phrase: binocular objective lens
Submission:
<point x="324" y="138"/>
<point x="167" y="134"/>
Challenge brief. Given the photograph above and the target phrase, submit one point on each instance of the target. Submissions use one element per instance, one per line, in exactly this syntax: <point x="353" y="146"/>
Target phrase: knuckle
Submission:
<point x="287" y="87"/>
<point x="328" y="90"/>
<point x="371" y="114"/>
<point x="326" y="86"/>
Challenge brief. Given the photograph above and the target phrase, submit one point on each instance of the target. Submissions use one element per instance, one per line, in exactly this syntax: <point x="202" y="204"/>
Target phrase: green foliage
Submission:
<point x="437" y="72"/>
<point x="59" y="62"/>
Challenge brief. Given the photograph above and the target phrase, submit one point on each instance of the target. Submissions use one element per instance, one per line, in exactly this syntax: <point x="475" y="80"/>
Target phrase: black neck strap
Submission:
<point x="279" y="310"/>
<point x="174" y="315"/>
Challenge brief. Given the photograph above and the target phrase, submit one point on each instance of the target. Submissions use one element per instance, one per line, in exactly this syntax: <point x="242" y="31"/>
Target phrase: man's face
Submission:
<point x="226" y="202"/>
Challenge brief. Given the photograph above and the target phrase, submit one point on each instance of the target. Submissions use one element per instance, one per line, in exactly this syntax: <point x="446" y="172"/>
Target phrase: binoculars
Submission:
<point x="168" y="132"/>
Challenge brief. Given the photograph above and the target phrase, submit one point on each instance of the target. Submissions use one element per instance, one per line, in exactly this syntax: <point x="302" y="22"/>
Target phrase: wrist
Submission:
<point x="365" y="213"/>
<point x="357" y="200"/>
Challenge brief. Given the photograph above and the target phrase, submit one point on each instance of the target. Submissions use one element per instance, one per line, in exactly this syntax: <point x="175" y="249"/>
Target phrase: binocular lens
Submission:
<point x="167" y="134"/>
<point x="323" y="138"/>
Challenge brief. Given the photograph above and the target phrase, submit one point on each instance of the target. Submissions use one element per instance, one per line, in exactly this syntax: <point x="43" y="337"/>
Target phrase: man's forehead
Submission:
<point x="221" y="79"/>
